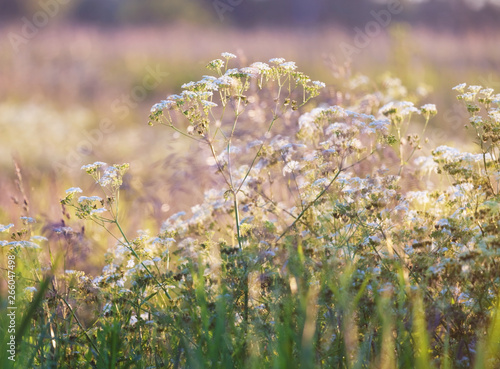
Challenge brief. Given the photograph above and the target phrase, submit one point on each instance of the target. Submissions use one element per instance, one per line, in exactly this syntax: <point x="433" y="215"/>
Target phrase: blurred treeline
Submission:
<point x="454" y="14"/>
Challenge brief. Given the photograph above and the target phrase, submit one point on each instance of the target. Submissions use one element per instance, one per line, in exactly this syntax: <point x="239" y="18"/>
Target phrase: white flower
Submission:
<point x="228" y="55"/>
<point x="98" y="211"/>
<point x="188" y="94"/>
<point x="460" y="88"/>
<point x="250" y="71"/>
<point x="38" y="238"/>
<point x="420" y="197"/>
<point x="91" y="167"/>
<point x="442" y="222"/>
<point x="475" y="89"/>
<point x="445" y="152"/>
<point x="231" y="72"/>
<point x="133" y="320"/>
<point x="208" y="104"/>
<point x="157" y="107"/>
<point x="73" y="190"/>
<point x="254" y="143"/>
<point x="276" y="60"/>
<point x="216" y="64"/>
<point x="487" y="92"/>
<point x="64" y="230"/>
<point x="289" y="66"/>
<point x="30" y="289"/>
<point x="28" y="220"/>
<point x="261" y="67"/>
<point x="319" y="84"/>
<point x="387" y="108"/>
<point x="5" y="228"/>
<point x="355" y="144"/>
<point x="89" y="198"/>
<point x="224" y="81"/>
<point x="23" y="244"/>
<point x="426" y="164"/>
<point x="429" y="109"/>
<point x="291" y="166"/>
<point x="380" y="125"/>
<point x="337" y="127"/>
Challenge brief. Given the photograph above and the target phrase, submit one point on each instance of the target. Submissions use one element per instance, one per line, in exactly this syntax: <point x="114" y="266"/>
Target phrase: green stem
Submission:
<point x="138" y="258"/>
<point x="80" y="325"/>
<point x="327" y="187"/>
<point x="237" y="219"/>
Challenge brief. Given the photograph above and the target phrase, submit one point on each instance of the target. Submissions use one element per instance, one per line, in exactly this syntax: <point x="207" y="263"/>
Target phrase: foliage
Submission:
<point x="310" y="254"/>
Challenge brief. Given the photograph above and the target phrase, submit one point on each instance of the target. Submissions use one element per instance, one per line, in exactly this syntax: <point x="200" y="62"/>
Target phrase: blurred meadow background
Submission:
<point x="78" y="79"/>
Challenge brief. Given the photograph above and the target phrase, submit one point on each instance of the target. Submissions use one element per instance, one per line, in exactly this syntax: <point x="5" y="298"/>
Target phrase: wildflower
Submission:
<point x="133" y="320"/>
<point x="98" y="211"/>
<point x="23" y="244"/>
<point x="476" y="120"/>
<point x="64" y="230"/>
<point x="157" y="107"/>
<point x="232" y="72"/>
<point x="319" y="84"/>
<point x="290" y="167"/>
<point x="5" y="228"/>
<point x="336" y="128"/>
<point x="487" y="92"/>
<point x="89" y="198"/>
<point x="466" y="96"/>
<point x="188" y="94"/>
<point x="460" y="88"/>
<point x="208" y="104"/>
<point x="261" y="67"/>
<point x="475" y="89"/>
<point x="289" y="66"/>
<point x="277" y="60"/>
<point x="228" y="55"/>
<point x="420" y="197"/>
<point x="91" y="168"/>
<point x="254" y="143"/>
<point x="30" y="289"/>
<point x="38" y="238"/>
<point x="355" y="144"/>
<point x="224" y="81"/>
<point x="446" y="153"/>
<point x="250" y="71"/>
<point x="73" y="190"/>
<point x="379" y="125"/>
<point x="216" y="64"/>
<point x="426" y="164"/>
<point x="388" y="109"/>
<point x="428" y="110"/>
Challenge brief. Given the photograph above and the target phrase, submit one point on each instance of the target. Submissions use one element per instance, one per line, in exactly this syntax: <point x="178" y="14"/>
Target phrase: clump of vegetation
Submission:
<point x="311" y="253"/>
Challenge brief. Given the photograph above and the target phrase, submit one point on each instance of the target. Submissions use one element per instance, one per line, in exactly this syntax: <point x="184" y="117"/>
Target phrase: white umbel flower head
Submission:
<point x="227" y="55"/>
